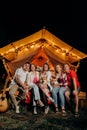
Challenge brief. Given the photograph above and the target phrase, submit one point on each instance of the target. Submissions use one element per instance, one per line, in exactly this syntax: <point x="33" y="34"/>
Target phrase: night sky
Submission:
<point x="64" y="20"/>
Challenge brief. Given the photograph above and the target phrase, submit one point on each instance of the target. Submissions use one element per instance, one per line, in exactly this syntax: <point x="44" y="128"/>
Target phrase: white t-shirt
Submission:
<point x="21" y="73"/>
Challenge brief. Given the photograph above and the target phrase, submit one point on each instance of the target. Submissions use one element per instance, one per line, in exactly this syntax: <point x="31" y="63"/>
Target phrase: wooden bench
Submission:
<point x="82" y="97"/>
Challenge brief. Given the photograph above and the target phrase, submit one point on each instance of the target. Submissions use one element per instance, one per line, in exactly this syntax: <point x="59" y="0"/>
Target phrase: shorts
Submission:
<point x="70" y="89"/>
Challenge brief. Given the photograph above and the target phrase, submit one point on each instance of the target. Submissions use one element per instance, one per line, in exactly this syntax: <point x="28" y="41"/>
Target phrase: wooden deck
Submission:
<point x="82" y="98"/>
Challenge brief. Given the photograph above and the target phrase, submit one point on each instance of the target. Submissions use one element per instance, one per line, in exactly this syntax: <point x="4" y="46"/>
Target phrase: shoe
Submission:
<point x="56" y="109"/>
<point x="76" y="114"/>
<point x="51" y="99"/>
<point x="63" y="112"/>
<point x="46" y="109"/>
<point x="17" y="110"/>
<point x="35" y="111"/>
<point x="41" y="103"/>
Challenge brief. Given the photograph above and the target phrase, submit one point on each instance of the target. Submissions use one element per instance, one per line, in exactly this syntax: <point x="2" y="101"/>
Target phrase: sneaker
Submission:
<point x="46" y="109"/>
<point x="17" y="110"/>
<point x="51" y="99"/>
<point x="41" y="103"/>
<point x="35" y="111"/>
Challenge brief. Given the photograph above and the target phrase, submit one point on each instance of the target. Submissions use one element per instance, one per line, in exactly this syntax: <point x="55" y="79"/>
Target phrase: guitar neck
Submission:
<point x="7" y="69"/>
<point x="5" y="85"/>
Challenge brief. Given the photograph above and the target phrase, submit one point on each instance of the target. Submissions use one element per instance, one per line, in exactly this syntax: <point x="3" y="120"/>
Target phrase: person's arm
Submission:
<point x="19" y="82"/>
<point x="74" y="84"/>
<point x="73" y="74"/>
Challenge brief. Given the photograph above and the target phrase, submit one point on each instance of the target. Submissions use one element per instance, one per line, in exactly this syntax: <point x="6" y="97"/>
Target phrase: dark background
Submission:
<point x="66" y="20"/>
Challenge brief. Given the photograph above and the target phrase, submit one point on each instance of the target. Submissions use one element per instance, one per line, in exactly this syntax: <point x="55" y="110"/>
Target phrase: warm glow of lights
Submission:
<point x="46" y="45"/>
<point x="63" y="54"/>
<point x="77" y="57"/>
<point x="26" y="49"/>
<point x="53" y="44"/>
<point x="62" y="49"/>
<point x="67" y="50"/>
<point x="37" y="46"/>
<point x="12" y="50"/>
<point x="2" y="54"/>
<point x="32" y="46"/>
<point x="34" y="43"/>
<point x="16" y="47"/>
<point x="7" y="52"/>
<point x="57" y="50"/>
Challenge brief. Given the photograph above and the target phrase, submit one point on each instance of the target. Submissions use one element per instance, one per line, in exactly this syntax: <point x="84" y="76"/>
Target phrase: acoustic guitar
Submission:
<point x="4" y="105"/>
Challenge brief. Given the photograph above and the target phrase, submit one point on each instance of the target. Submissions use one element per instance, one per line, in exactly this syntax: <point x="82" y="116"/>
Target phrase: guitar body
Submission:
<point x="4" y="106"/>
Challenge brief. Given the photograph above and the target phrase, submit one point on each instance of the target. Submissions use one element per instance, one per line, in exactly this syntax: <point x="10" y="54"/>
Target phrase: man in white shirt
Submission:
<point x="18" y="82"/>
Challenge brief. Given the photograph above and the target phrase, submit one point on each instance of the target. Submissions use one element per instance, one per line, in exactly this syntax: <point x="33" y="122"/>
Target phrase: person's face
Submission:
<point x="32" y="67"/>
<point x="58" y="68"/>
<point x="26" y="67"/>
<point x="45" y="67"/>
<point x="66" y="68"/>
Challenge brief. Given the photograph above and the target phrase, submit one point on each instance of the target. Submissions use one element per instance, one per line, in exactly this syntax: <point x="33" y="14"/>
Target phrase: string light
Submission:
<point x="44" y="43"/>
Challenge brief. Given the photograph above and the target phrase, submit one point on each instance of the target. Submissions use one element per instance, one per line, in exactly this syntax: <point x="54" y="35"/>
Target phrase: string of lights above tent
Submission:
<point x="37" y="44"/>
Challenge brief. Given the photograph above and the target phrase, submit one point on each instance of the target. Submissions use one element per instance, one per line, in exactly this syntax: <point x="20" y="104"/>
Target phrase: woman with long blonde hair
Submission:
<point x="59" y="87"/>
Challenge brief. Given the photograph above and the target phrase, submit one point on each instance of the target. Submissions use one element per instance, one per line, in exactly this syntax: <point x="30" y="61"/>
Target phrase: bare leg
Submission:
<point x="75" y="93"/>
<point x="46" y="91"/>
<point x="67" y="95"/>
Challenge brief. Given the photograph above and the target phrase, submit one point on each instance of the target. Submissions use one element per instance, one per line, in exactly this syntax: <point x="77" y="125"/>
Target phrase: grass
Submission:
<point x="51" y="121"/>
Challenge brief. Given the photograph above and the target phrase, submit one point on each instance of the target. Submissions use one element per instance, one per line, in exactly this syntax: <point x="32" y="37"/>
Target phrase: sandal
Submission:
<point x="63" y="112"/>
<point x="76" y="114"/>
<point x="56" y="109"/>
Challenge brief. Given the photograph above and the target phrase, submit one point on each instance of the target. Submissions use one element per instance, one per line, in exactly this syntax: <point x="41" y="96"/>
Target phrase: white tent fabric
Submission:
<point x="38" y="48"/>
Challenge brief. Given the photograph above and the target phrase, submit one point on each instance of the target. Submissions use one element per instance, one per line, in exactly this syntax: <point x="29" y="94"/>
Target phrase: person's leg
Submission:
<point x="45" y="101"/>
<point x="55" y="97"/>
<point x="12" y="92"/>
<point x="75" y="93"/>
<point x="62" y="96"/>
<point x="34" y="106"/>
<point x="37" y="96"/>
<point x="46" y="91"/>
<point x="62" y="99"/>
<point x="35" y="110"/>
<point x="36" y="99"/>
<point x="67" y="95"/>
<point x="68" y="100"/>
<point x="36" y="92"/>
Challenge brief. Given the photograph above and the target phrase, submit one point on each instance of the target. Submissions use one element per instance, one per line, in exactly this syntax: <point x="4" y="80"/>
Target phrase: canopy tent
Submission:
<point x="38" y="48"/>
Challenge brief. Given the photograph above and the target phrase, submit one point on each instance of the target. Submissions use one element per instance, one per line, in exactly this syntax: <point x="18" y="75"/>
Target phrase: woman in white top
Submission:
<point x="45" y="86"/>
<point x="44" y="82"/>
<point x="32" y="81"/>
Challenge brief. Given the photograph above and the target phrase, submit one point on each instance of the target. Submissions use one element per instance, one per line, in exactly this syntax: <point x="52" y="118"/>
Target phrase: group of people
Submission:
<point x="56" y="87"/>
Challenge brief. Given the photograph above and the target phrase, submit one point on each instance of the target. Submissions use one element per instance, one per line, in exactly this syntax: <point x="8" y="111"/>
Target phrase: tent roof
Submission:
<point x="43" y="38"/>
<point x="41" y="45"/>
